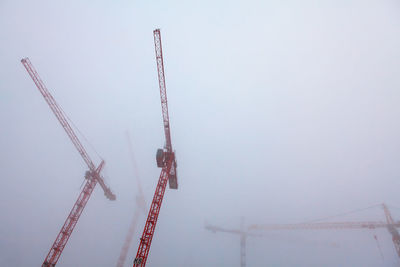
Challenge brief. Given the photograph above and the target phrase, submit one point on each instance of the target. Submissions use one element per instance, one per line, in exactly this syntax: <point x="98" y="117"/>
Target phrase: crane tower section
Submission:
<point x="140" y="207"/>
<point x="73" y="217"/>
<point x="392" y="229"/>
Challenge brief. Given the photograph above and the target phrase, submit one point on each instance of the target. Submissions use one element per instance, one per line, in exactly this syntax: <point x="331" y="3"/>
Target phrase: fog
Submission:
<point x="280" y="112"/>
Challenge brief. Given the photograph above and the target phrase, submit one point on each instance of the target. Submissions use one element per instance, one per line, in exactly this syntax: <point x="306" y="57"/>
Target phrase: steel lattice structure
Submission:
<point x="140" y="208"/>
<point x="323" y="226"/>
<point x="92" y="176"/>
<point x="165" y="159"/>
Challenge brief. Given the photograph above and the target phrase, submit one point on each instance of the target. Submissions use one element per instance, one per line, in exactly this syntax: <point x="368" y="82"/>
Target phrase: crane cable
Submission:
<point x="79" y="131"/>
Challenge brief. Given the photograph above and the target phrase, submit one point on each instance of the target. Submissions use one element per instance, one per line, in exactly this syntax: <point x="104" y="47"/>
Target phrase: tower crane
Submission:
<point x="390" y="224"/>
<point x="243" y="236"/>
<point x="140" y="208"/>
<point x="165" y="160"/>
<point x="92" y="176"/>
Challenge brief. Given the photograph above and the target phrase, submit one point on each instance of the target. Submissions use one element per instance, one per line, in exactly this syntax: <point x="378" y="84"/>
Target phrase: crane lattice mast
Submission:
<point x="392" y="229"/>
<point x="92" y="176"/>
<point x="140" y="208"/>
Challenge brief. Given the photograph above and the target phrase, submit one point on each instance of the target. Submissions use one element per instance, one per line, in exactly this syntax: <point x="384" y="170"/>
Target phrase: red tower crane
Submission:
<point x="165" y="160"/>
<point x="92" y="176"/>
<point x="390" y="224"/>
<point x="140" y="208"/>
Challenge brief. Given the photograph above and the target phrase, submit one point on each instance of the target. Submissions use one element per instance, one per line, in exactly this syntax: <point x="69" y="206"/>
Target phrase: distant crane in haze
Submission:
<point x="165" y="159"/>
<point x="390" y="224"/>
<point x="92" y="176"/>
<point x="140" y="208"/>
<point x="243" y="236"/>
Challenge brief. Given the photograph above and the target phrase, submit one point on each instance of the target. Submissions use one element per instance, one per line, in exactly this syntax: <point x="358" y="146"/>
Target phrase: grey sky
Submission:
<point x="280" y="111"/>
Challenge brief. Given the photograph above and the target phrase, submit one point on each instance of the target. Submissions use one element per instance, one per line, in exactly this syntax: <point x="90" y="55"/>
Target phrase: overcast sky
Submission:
<point x="281" y="112"/>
